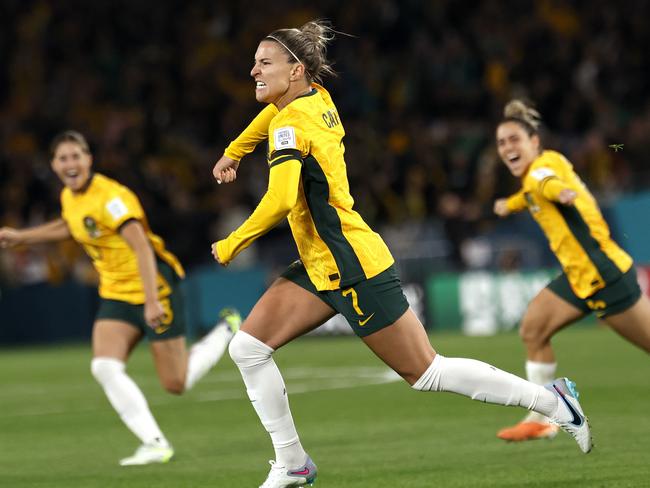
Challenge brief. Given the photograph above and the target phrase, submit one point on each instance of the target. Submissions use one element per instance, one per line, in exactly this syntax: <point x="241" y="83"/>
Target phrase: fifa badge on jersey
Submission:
<point x="91" y="227"/>
<point x="284" y="138"/>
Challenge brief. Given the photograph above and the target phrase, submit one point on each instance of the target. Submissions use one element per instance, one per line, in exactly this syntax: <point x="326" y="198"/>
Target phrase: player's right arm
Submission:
<point x="515" y="203"/>
<point x="225" y="170"/>
<point x="56" y="230"/>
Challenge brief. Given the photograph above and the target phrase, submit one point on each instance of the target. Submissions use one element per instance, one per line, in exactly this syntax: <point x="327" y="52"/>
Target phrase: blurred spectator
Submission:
<point x="160" y="91"/>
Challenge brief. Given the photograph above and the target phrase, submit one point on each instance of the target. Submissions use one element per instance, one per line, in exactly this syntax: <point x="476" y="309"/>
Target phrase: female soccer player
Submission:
<point x="344" y="266"/>
<point x="597" y="275"/>
<point x="138" y="287"/>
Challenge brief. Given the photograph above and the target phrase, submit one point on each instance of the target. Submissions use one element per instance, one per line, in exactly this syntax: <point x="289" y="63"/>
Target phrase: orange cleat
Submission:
<point x="528" y="431"/>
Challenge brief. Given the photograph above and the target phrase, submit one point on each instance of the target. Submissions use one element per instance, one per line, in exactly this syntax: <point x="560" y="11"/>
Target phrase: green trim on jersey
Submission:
<point x="580" y="230"/>
<point x="312" y="92"/>
<point x="284" y="152"/>
<point x="283" y="159"/>
<point x="328" y="223"/>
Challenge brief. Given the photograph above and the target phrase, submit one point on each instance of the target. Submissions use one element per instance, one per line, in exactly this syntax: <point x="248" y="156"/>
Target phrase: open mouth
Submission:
<point x="259" y="85"/>
<point x="71" y="176"/>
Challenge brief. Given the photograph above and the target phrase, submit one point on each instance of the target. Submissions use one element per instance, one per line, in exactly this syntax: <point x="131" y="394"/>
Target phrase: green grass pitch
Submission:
<point x="361" y="428"/>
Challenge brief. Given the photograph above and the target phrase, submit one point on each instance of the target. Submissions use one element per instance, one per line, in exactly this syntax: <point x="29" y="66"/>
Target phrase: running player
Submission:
<point x="345" y="267"/>
<point x="138" y="287"/>
<point x="597" y="275"/>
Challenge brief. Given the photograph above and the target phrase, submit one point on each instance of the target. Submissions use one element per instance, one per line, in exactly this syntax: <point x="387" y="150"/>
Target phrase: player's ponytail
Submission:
<point x="308" y="46"/>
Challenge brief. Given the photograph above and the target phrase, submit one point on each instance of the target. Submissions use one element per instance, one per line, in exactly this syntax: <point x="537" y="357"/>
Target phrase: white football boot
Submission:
<point x="281" y="477"/>
<point x="569" y="415"/>
<point x="149" y="454"/>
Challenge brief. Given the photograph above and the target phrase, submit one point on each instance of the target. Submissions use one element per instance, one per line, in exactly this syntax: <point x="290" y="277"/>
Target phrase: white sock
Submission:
<point x="541" y="374"/>
<point x="268" y="394"/>
<point x="127" y="400"/>
<point x="206" y="353"/>
<point x="483" y="382"/>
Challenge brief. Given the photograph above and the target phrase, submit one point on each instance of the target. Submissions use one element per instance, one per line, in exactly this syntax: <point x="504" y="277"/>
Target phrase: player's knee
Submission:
<point x="533" y="332"/>
<point x="247" y="351"/>
<point x="429" y="380"/>
<point x="103" y="369"/>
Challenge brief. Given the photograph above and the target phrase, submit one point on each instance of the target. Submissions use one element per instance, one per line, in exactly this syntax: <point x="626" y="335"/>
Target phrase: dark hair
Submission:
<point x="526" y="116"/>
<point x="307" y="45"/>
<point x="69" y="136"/>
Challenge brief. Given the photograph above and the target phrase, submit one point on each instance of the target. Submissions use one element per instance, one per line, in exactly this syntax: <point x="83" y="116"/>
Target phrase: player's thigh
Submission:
<point x="285" y="311"/>
<point x="634" y="323"/>
<point x="114" y="338"/>
<point x="170" y="359"/>
<point x="404" y="346"/>
<point x="547" y="313"/>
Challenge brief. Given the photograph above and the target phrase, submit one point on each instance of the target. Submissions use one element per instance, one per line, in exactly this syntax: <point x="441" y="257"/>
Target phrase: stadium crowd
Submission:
<point x="159" y="90"/>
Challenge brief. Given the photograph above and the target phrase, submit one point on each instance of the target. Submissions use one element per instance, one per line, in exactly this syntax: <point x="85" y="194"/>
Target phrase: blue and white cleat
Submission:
<point x="281" y="477"/>
<point x="569" y="415"/>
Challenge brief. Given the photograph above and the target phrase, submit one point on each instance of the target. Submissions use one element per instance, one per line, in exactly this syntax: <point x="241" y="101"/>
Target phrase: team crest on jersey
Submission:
<point x="530" y="202"/>
<point x="91" y="227"/>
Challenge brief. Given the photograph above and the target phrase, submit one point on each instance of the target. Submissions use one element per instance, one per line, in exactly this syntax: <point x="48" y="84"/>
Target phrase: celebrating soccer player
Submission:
<point x="597" y="275"/>
<point x="139" y="290"/>
<point x="344" y="266"/>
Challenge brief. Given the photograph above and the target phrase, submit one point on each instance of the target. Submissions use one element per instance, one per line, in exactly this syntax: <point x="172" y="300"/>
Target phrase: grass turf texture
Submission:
<point x="57" y="429"/>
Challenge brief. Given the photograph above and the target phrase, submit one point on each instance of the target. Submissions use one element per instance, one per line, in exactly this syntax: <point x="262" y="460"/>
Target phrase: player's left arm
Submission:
<point x="280" y="197"/>
<point x="134" y="234"/>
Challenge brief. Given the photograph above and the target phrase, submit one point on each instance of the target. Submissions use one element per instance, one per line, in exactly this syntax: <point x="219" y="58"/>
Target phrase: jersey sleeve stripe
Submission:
<point x="283" y="159"/>
<point x="285" y="152"/>
<point x="542" y="183"/>
<point x="121" y="226"/>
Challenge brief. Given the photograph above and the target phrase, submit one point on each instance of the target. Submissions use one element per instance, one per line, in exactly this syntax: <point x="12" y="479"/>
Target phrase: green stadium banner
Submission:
<point x="482" y="302"/>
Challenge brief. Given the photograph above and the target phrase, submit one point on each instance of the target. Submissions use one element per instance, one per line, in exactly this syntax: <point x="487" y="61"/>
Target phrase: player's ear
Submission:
<point x="297" y="72"/>
<point x="535" y="140"/>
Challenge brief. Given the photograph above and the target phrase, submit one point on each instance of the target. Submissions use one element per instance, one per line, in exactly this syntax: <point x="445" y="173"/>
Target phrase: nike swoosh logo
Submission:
<point x="364" y="322"/>
<point x="577" y="418"/>
<point x="304" y="472"/>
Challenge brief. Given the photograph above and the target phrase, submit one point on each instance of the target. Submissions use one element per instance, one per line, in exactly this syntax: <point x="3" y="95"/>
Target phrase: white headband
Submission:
<point x="290" y="52"/>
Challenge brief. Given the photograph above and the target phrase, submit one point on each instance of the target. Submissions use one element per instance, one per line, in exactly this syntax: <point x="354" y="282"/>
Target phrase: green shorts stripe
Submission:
<point x="368" y="306"/>
<point x="174" y="325"/>
<point x="615" y="298"/>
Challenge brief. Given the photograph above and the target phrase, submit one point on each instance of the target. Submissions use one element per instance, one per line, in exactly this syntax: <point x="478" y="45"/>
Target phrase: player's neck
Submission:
<point x="296" y="90"/>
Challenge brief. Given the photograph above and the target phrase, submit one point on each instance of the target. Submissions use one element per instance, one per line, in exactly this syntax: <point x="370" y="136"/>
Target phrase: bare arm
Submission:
<point x="56" y="230"/>
<point x="135" y="236"/>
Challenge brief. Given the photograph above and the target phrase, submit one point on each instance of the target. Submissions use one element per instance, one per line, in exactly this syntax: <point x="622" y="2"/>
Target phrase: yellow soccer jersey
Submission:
<point x="256" y="132"/>
<point x="336" y="246"/>
<point x="94" y="218"/>
<point x="578" y="235"/>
